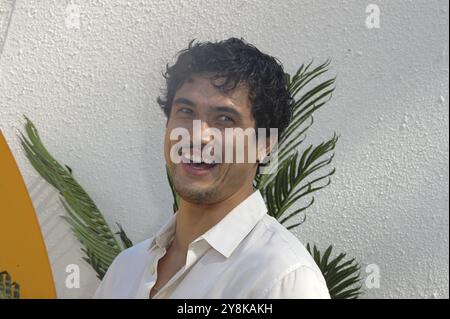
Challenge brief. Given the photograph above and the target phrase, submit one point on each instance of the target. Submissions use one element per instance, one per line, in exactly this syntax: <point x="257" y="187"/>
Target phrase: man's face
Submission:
<point x="198" y="99"/>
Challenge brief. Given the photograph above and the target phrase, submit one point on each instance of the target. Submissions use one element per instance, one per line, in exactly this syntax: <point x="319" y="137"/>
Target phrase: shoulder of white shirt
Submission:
<point x="289" y="250"/>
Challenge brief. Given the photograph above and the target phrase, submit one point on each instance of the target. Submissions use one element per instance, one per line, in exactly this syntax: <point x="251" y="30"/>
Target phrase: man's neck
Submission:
<point x="193" y="220"/>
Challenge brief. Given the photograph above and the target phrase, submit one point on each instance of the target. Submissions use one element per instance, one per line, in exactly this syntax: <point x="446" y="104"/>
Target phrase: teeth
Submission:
<point x="209" y="161"/>
<point x="196" y="159"/>
<point x="185" y="158"/>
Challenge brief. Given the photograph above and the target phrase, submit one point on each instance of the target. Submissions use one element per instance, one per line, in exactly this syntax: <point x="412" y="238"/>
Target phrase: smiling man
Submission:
<point x="221" y="243"/>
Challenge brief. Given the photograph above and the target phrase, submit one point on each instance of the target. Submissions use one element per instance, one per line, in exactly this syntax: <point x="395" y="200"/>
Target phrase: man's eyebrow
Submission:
<point x="185" y="101"/>
<point x="227" y="109"/>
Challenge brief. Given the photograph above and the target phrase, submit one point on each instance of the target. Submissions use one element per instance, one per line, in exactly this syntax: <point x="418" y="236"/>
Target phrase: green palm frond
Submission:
<point x="290" y="184"/>
<point x="303" y="109"/>
<point x="8" y="289"/>
<point x="292" y="178"/>
<point x="342" y="276"/>
<point x="127" y="243"/>
<point x="84" y="217"/>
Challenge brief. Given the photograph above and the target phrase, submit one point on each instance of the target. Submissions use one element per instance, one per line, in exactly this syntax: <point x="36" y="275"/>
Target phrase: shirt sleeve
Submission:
<point x="301" y="283"/>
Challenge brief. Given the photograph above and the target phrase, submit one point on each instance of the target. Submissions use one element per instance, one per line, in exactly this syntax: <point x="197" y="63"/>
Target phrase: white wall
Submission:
<point x="91" y="92"/>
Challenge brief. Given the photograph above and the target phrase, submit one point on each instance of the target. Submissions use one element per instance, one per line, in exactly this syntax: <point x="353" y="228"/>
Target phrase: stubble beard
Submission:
<point x="193" y="194"/>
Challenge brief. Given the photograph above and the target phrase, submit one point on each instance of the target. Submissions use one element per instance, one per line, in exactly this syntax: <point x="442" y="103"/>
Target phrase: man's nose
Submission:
<point x="202" y="131"/>
<point x="205" y="130"/>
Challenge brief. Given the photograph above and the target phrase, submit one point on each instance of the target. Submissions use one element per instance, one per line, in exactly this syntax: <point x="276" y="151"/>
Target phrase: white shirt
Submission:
<point x="247" y="254"/>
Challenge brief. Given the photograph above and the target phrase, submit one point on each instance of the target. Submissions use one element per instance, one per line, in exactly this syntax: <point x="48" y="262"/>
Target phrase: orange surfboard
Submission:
<point x="22" y="248"/>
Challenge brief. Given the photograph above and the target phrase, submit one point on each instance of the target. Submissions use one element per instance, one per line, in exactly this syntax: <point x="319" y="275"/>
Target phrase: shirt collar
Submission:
<point x="228" y="233"/>
<point x="164" y="236"/>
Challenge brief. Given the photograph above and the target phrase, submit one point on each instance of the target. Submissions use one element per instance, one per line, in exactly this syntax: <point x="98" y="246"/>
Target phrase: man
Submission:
<point x="221" y="243"/>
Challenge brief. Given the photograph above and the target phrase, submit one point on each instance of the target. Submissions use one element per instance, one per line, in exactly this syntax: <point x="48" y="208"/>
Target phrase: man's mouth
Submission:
<point x="194" y="164"/>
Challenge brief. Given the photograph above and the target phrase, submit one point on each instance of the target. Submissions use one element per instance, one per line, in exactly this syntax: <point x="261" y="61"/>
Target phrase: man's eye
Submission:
<point x="185" y="110"/>
<point x="225" y="118"/>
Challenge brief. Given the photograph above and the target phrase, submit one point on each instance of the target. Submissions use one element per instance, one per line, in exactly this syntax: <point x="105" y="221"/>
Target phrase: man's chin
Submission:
<point x="197" y="195"/>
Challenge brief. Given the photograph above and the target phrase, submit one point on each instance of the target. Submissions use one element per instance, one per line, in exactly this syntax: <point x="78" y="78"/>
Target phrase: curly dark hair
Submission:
<point x="237" y="62"/>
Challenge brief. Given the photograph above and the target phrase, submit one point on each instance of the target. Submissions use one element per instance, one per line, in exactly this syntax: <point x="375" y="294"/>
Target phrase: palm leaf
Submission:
<point x="84" y="217"/>
<point x="8" y="289"/>
<point x="342" y="277"/>
<point x="291" y="182"/>
<point x="127" y="243"/>
<point x="290" y="179"/>
<point x="303" y="110"/>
